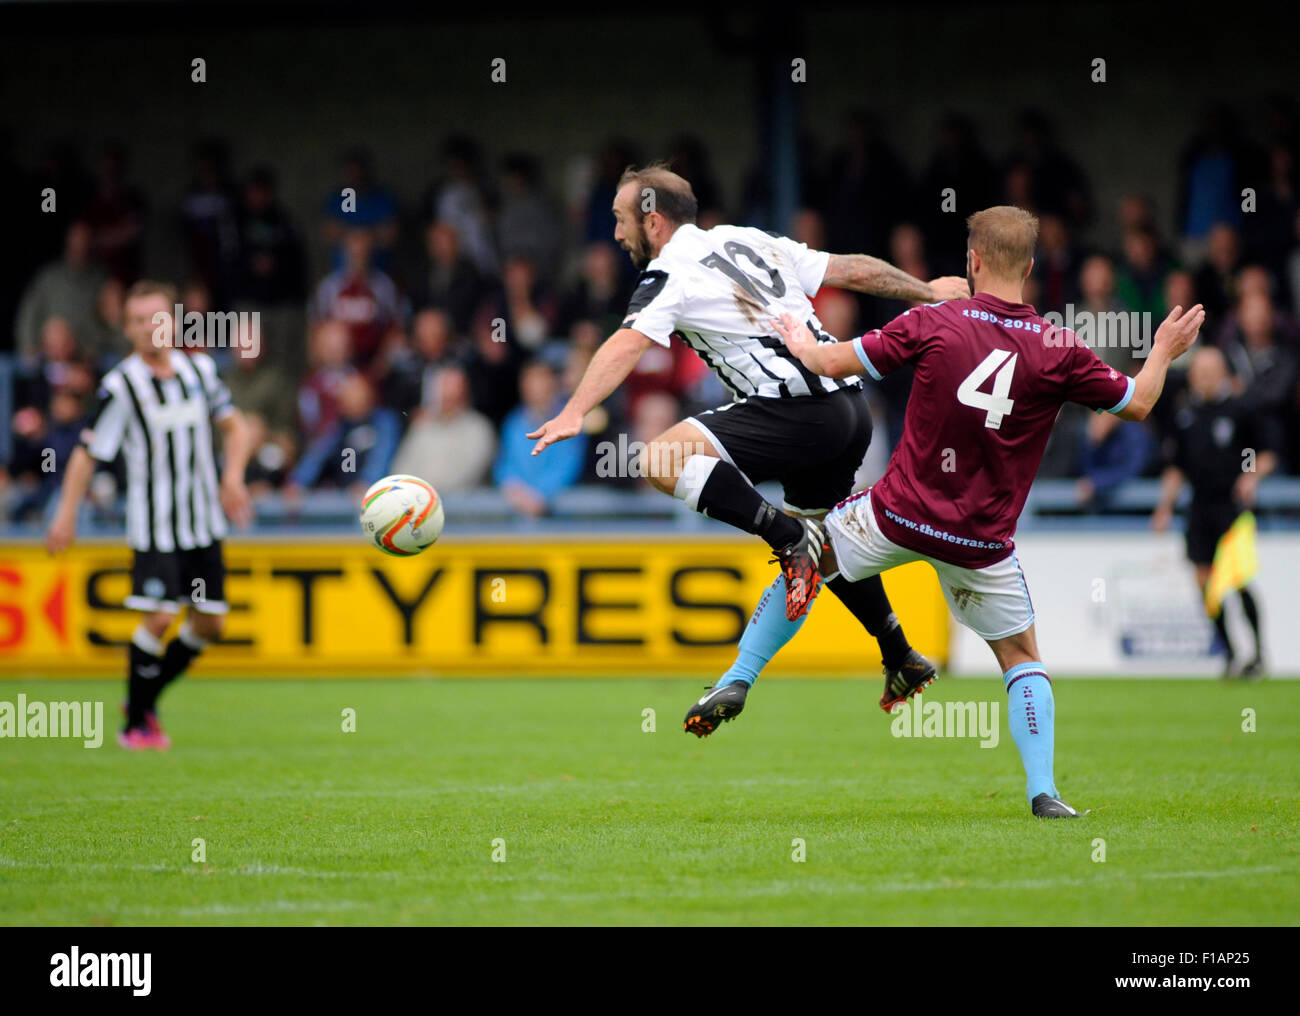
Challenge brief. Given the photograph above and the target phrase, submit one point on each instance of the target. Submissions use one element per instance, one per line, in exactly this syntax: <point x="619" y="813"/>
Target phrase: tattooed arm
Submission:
<point x="865" y="274"/>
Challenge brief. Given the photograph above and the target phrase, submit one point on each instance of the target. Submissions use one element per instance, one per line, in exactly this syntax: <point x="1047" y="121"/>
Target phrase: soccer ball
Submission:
<point x="402" y="515"/>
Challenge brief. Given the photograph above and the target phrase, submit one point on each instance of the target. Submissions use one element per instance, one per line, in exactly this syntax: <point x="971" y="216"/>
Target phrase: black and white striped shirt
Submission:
<point x="719" y="289"/>
<point x="163" y="429"/>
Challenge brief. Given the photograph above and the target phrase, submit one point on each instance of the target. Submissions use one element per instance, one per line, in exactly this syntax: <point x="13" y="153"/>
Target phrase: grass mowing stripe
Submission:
<point x="603" y="823"/>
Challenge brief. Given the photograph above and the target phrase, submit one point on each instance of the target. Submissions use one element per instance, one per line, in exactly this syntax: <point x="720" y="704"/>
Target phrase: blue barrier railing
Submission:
<point x="1051" y="507"/>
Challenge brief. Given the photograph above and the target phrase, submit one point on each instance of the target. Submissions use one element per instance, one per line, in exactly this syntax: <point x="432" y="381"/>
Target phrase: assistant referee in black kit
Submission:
<point x="1217" y="437"/>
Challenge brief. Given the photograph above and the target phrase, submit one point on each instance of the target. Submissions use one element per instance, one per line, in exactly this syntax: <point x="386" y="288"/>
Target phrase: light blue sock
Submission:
<point x="1031" y="715"/>
<point x="767" y="631"/>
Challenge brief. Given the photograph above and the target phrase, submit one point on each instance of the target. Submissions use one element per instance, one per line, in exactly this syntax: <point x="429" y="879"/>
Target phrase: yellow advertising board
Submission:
<point x="500" y="608"/>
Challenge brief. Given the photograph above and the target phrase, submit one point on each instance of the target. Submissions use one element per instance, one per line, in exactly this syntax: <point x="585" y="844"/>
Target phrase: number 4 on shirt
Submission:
<point x="996" y="405"/>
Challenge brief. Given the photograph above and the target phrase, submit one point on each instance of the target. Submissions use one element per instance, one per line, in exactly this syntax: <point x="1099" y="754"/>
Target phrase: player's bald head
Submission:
<point x="1207" y="374"/>
<point x="650" y="204"/>
<point x="1004" y="237"/>
<point x="658" y="189"/>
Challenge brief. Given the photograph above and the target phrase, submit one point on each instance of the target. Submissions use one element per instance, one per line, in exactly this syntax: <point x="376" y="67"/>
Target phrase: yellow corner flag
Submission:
<point x="1236" y="562"/>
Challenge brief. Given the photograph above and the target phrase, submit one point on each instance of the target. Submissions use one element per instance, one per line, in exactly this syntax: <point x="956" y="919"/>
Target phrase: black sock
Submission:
<point x="728" y="497"/>
<point x="176" y="660"/>
<point x="143" y="671"/>
<point x="1221" y="626"/>
<point x="867" y="602"/>
<point x="1251" y="609"/>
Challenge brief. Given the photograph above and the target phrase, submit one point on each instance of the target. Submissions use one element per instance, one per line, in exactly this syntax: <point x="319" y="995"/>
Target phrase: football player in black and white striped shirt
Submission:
<point x="718" y="291"/>
<point x="157" y="409"/>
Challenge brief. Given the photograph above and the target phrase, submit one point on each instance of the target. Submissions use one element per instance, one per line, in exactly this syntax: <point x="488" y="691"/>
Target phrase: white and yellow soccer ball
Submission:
<point x="402" y="515"/>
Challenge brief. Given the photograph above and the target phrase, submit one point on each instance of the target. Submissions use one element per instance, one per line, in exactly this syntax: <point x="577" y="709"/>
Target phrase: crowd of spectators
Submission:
<point x="438" y="332"/>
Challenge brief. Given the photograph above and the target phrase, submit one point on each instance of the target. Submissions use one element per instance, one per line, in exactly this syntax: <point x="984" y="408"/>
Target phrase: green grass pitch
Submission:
<point x="604" y="823"/>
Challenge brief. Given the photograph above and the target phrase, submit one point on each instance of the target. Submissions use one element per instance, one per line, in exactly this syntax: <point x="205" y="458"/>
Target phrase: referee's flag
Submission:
<point x="1236" y="562"/>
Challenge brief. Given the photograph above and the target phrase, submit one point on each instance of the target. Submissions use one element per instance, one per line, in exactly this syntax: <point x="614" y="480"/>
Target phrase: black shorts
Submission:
<point x="168" y="580"/>
<point x="1206" y="524"/>
<point x="812" y="444"/>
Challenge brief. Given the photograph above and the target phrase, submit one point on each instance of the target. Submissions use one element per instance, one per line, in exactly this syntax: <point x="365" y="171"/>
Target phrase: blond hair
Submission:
<point x="1004" y="237"/>
<point x="150" y="287"/>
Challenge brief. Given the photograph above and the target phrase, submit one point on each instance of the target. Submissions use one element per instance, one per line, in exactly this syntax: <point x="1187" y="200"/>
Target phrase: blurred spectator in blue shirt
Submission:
<point x="373" y="208"/>
<point x="1114" y="451"/>
<point x="355" y="450"/>
<point x="1216" y="164"/>
<point x="531" y="482"/>
<point x="43" y="444"/>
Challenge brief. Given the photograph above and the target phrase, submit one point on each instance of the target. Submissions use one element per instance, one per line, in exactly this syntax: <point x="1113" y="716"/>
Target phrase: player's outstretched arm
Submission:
<point x="831" y="359"/>
<point x="612" y="363"/>
<point x="865" y="274"/>
<point x="1173" y="338"/>
<point x="76" y="481"/>
<point x="236" y="446"/>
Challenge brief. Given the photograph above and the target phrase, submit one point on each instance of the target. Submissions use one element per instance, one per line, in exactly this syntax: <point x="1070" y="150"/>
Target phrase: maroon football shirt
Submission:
<point x="991" y="377"/>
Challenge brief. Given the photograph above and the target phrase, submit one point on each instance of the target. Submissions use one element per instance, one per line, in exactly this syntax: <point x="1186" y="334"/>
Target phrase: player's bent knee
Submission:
<point x="678" y="443"/>
<point x="657" y="466"/>
<point x="664" y="458"/>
